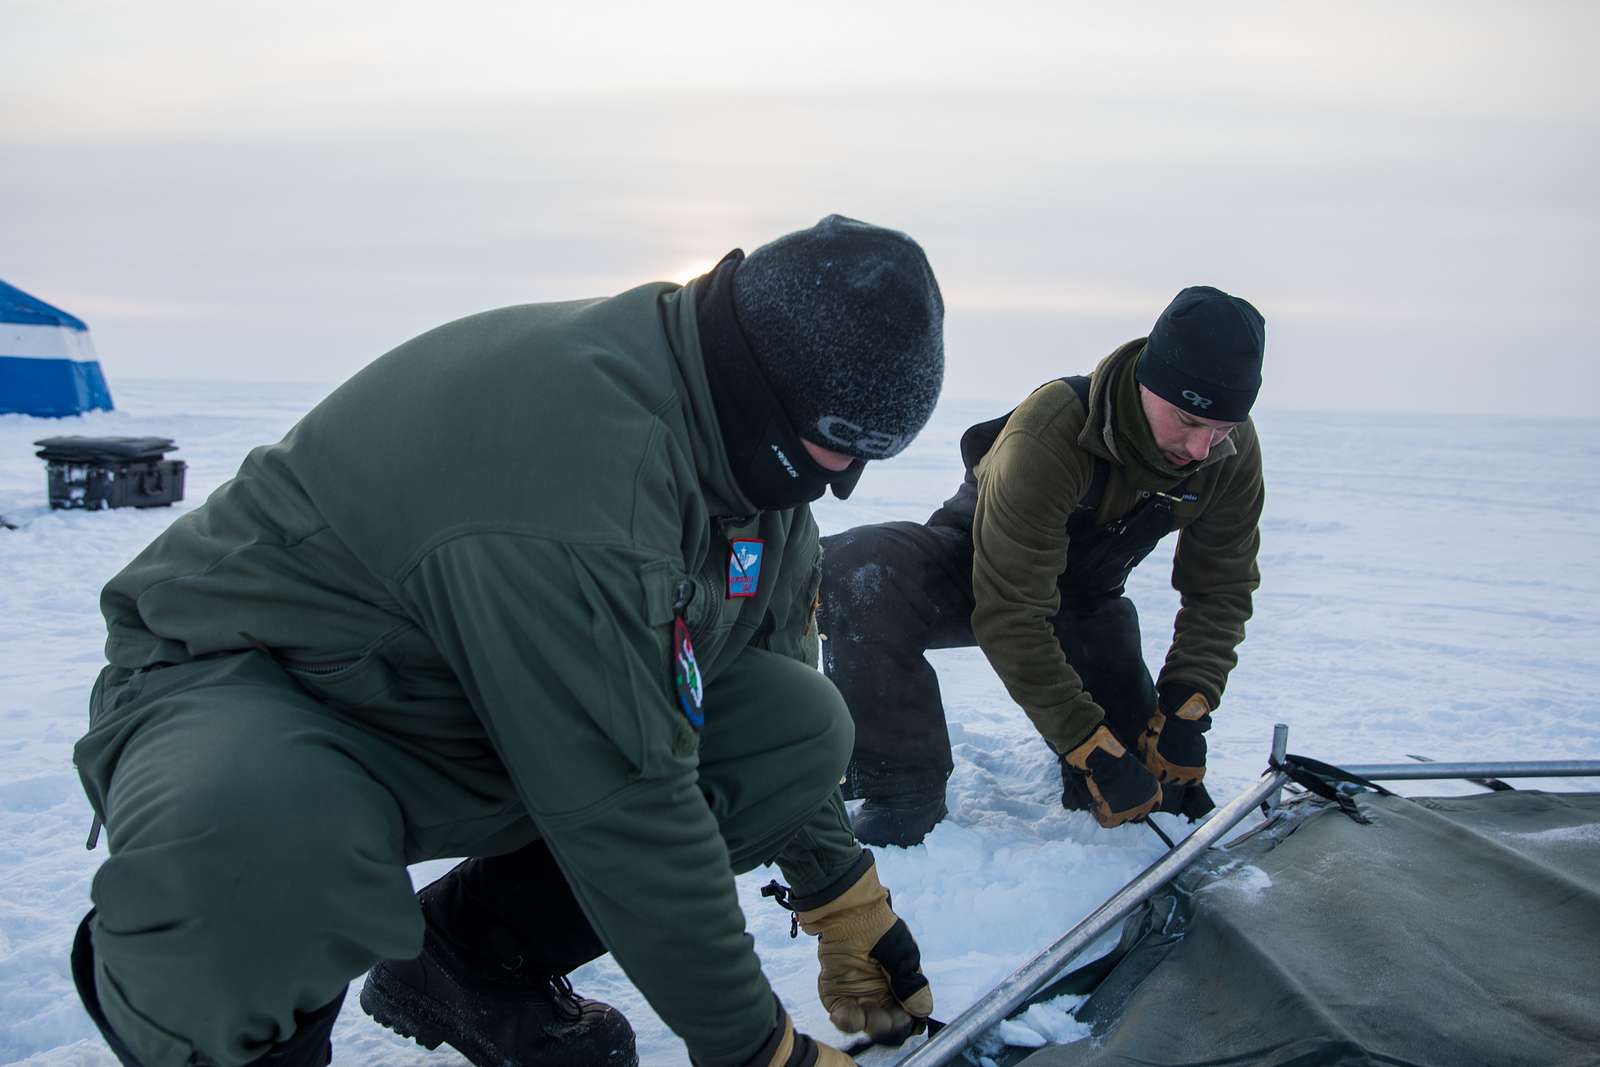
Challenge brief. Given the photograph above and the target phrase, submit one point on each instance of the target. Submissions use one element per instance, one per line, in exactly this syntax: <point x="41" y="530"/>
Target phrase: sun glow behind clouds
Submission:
<point x="687" y="272"/>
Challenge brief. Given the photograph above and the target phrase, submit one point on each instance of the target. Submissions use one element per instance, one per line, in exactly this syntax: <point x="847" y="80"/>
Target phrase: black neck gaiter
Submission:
<point x="768" y="459"/>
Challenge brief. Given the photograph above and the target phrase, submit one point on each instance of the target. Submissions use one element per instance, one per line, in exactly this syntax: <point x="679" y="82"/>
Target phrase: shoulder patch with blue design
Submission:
<point x="686" y="678"/>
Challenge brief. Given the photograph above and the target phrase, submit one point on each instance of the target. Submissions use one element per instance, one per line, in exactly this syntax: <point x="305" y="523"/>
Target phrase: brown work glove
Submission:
<point x="787" y="1048"/>
<point x="1174" y="740"/>
<point x="871" y="975"/>
<point x="1121" y="787"/>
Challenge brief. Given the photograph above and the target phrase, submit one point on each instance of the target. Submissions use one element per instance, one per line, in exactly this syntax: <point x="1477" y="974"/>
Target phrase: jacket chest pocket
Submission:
<point x="712" y="613"/>
<point x="708" y="613"/>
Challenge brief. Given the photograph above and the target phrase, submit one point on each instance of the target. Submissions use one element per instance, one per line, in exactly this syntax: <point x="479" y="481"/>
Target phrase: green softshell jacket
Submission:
<point x="1028" y="485"/>
<point x="477" y="544"/>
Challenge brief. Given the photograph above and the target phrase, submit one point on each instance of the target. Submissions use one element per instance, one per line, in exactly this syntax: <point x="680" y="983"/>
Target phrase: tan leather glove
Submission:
<point x="1122" y="789"/>
<point x="1174" y="740"/>
<point x="791" y="1049"/>
<point x="871" y="975"/>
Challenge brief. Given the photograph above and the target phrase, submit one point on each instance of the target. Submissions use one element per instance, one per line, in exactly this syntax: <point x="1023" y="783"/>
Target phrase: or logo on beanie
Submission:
<point x="1204" y="354"/>
<point x="856" y="440"/>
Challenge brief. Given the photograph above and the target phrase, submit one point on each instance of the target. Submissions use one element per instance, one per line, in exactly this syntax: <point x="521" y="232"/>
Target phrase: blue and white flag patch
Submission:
<point x="744" y="566"/>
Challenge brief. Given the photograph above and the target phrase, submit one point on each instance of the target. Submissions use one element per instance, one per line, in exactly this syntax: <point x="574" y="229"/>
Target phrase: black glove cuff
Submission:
<point x="1179" y="731"/>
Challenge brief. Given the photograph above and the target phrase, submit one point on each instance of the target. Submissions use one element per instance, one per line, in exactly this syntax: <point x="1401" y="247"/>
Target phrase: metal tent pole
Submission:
<point x="1280" y="748"/>
<point x="1038" y="972"/>
<point x="1393" y="772"/>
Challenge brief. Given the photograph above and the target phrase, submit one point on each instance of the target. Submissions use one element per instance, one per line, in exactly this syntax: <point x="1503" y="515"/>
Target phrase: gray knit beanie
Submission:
<point x="847" y="323"/>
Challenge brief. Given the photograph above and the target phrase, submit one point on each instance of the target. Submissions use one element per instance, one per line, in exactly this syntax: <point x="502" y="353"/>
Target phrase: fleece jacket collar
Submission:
<point x="1116" y="428"/>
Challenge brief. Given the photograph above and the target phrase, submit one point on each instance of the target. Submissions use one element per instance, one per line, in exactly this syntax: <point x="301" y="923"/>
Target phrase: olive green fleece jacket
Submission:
<point x="1028" y="485"/>
<point x="477" y="541"/>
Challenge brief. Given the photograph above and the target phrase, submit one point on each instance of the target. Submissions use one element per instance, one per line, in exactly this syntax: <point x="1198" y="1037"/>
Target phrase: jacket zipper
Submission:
<point x="317" y="668"/>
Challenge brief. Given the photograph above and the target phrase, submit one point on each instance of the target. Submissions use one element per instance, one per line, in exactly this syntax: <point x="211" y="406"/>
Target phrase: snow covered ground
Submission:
<point x="1429" y="587"/>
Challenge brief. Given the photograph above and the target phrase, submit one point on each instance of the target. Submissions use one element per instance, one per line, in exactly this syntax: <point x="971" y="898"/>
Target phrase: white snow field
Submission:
<point x="1429" y="586"/>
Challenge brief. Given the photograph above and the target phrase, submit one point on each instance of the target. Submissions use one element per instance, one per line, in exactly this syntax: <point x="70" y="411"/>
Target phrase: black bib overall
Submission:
<point x="892" y="591"/>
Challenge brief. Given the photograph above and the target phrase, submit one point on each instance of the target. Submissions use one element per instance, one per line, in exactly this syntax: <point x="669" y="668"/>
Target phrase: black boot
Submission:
<point x="309" y="1046"/>
<point x="902" y="802"/>
<point x="501" y="934"/>
<point x="512" y="1020"/>
<point x="902" y="819"/>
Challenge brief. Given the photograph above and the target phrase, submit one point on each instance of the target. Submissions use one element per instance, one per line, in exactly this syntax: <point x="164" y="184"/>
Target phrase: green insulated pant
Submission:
<point x="259" y="838"/>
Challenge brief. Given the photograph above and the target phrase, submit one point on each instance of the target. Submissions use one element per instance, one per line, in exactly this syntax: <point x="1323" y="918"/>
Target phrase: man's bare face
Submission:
<point x="1183" y="438"/>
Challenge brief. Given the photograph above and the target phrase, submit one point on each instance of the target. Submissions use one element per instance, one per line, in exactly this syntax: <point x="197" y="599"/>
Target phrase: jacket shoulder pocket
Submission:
<point x="659" y="580"/>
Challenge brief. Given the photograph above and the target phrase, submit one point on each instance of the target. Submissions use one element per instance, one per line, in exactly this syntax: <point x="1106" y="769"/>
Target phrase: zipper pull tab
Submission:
<point x="682" y="593"/>
<point x="781" y="894"/>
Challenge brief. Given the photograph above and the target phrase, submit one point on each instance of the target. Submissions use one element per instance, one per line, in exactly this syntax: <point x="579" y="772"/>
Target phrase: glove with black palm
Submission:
<point x="1173" y="744"/>
<point x="1120" y="788"/>
<point x="871" y="969"/>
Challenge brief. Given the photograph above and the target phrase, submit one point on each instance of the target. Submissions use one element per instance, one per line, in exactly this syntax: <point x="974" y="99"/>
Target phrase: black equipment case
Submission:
<point x="112" y="472"/>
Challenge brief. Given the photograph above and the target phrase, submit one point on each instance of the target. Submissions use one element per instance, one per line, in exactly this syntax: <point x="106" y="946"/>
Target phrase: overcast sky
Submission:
<point x="285" y="190"/>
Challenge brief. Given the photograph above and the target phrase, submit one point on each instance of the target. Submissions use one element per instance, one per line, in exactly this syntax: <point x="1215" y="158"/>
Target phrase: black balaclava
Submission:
<point x="769" y="461"/>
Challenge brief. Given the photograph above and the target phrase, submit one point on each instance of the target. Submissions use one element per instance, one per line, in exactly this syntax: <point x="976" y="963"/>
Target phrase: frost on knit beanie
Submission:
<point x="1204" y="354"/>
<point x="847" y="323"/>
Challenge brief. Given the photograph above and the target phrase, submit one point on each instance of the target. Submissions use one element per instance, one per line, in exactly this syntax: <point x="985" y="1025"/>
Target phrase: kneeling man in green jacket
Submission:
<point x="537" y="588"/>
<point x="1062" y="498"/>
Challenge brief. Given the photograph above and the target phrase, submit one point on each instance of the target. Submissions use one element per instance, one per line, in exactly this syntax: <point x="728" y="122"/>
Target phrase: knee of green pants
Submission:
<point x="255" y="869"/>
<point x="817" y="731"/>
<point x="776" y="742"/>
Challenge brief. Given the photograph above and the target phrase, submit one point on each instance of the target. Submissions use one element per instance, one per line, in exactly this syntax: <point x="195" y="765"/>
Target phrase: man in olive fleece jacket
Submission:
<point x="1063" y="498"/>
<point x="535" y="588"/>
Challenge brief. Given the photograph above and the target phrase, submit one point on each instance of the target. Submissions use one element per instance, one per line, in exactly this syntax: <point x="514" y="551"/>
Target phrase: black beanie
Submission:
<point x="847" y="323"/>
<point x="1204" y="354"/>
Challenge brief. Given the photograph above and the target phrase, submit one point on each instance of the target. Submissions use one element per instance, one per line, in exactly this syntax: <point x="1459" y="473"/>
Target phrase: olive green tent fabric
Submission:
<point x="1451" y="931"/>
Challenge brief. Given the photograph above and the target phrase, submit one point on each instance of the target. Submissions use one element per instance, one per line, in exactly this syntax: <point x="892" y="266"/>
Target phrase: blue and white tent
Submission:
<point x="47" y="362"/>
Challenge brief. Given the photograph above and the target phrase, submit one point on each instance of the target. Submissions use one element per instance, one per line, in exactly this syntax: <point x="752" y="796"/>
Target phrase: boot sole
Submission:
<point x="412" y="1015"/>
<point x="388" y="1011"/>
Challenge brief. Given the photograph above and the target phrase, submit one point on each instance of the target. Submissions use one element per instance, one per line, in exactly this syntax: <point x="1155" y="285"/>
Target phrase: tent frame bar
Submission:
<point x="1394" y="772"/>
<point x="1038" y="972"/>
